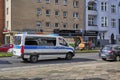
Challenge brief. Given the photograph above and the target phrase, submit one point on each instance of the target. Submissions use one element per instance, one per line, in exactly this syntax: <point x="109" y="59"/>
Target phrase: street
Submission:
<point x="84" y="66"/>
<point x="83" y="58"/>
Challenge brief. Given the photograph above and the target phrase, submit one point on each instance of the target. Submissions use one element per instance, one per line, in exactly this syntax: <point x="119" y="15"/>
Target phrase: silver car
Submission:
<point x="110" y="52"/>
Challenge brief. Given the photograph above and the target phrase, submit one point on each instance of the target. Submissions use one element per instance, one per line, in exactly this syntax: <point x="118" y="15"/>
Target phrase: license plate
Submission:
<point x="103" y="55"/>
<point x="26" y="56"/>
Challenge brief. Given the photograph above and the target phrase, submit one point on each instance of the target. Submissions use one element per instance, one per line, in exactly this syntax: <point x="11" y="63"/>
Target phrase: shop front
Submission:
<point x="86" y="35"/>
<point x="91" y="36"/>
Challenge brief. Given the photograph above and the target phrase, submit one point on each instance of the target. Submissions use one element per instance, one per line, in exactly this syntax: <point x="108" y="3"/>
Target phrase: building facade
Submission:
<point x="44" y="16"/>
<point x="103" y="16"/>
<point x="2" y="18"/>
<point x="96" y="20"/>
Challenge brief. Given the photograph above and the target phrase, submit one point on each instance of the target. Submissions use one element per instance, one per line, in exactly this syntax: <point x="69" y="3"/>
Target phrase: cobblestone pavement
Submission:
<point x="68" y="71"/>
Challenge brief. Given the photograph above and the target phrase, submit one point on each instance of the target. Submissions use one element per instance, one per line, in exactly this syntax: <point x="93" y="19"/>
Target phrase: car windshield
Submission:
<point x="17" y="40"/>
<point x="107" y="48"/>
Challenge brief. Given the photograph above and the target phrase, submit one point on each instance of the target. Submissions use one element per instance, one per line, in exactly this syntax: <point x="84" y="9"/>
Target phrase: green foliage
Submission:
<point x="2" y="54"/>
<point x="72" y="45"/>
<point x="86" y="51"/>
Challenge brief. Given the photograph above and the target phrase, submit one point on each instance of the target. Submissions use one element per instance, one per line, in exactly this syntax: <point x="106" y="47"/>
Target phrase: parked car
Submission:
<point x="110" y="52"/>
<point x="6" y="48"/>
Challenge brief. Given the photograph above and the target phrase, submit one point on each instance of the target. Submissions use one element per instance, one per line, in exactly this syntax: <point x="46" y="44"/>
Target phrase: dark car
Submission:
<point x="110" y="52"/>
<point x="6" y="48"/>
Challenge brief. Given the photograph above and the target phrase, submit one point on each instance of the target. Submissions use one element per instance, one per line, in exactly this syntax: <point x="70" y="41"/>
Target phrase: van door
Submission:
<point x="17" y="45"/>
<point x="63" y="46"/>
<point x="48" y="45"/>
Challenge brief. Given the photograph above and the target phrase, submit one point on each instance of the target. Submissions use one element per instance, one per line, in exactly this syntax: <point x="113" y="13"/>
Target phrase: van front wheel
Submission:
<point x="68" y="56"/>
<point x="33" y="58"/>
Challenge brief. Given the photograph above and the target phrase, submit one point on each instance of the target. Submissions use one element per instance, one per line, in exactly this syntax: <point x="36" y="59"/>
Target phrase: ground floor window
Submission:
<point x="7" y="39"/>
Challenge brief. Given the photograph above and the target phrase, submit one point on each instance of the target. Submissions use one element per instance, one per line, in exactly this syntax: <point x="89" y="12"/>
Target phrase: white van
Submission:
<point x="32" y="47"/>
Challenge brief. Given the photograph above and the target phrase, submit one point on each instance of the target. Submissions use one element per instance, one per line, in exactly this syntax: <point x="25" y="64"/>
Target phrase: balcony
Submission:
<point x="103" y="28"/>
<point x="92" y="12"/>
<point x="92" y="27"/>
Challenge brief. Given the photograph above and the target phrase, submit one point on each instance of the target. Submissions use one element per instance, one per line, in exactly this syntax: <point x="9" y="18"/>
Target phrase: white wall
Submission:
<point x="8" y="16"/>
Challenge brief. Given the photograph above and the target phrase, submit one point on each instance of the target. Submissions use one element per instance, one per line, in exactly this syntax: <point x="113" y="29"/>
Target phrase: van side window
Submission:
<point x="41" y="41"/>
<point x="62" y="42"/>
<point x="31" y="43"/>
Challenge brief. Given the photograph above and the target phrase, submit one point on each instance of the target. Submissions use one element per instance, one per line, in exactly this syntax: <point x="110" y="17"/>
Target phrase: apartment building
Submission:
<point x="103" y="16"/>
<point x="44" y="16"/>
<point x="96" y="20"/>
<point x="1" y="21"/>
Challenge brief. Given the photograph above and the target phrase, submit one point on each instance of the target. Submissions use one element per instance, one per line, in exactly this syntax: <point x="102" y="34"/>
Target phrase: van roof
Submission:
<point x="42" y="35"/>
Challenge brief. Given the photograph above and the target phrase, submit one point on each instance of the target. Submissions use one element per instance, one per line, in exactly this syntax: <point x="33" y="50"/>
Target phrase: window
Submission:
<point x="92" y="20"/>
<point x="48" y="12"/>
<point x="64" y="2"/>
<point x="62" y="42"/>
<point x="65" y="25"/>
<point x="104" y="21"/>
<point x="40" y="41"/>
<point x="75" y="4"/>
<point x="103" y="6"/>
<point x="75" y="15"/>
<point x="92" y="6"/>
<point x="113" y="9"/>
<point x="117" y="47"/>
<point x="47" y="24"/>
<point x="17" y="40"/>
<point x="113" y="23"/>
<point x="56" y="1"/>
<point x="47" y="1"/>
<point x="64" y="14"/>
<point x="38" y="1"/>
<point x="39" y="23"/>
<point x="56" y="13"/>
<point x="38" y="11"/>
<point x="75" y="26"/>
<point x="7" y="10"/>
<point x="30" y="42"/>
<point x="56" y="24"/>
<point x="7" y="23"/>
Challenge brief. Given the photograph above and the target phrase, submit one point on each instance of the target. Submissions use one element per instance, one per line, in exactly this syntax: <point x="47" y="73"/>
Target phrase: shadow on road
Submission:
<point x="61" y="61"/>
<point x="4" y="62"/>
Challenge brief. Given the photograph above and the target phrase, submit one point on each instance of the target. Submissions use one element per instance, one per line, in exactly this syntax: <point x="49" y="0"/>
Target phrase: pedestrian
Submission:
<point x="89" y="44"/>
<point x="98" y="43"/>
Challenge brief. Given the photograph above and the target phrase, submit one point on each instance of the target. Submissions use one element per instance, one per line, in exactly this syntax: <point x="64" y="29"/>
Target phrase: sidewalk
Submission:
<point x="69" y="71"/>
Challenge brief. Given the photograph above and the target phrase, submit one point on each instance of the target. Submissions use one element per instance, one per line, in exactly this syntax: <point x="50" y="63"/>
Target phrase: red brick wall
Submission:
<point x="1" y="20"/>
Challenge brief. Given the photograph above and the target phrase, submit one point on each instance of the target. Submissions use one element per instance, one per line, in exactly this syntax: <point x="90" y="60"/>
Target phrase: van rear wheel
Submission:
<point x="33" y="58"/>
<point x="68" y="56"/>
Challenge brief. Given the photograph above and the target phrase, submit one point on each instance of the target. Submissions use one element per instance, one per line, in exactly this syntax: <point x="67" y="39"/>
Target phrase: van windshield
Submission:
<point x="17" y="40"/>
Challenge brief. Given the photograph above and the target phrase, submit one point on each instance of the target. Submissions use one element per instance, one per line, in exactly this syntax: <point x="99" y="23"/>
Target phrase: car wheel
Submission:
<point x="117" y="58"/>
<point x="104" y="59"/>
<point x="68" y="56"/>
<point x="33" y="58"/>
